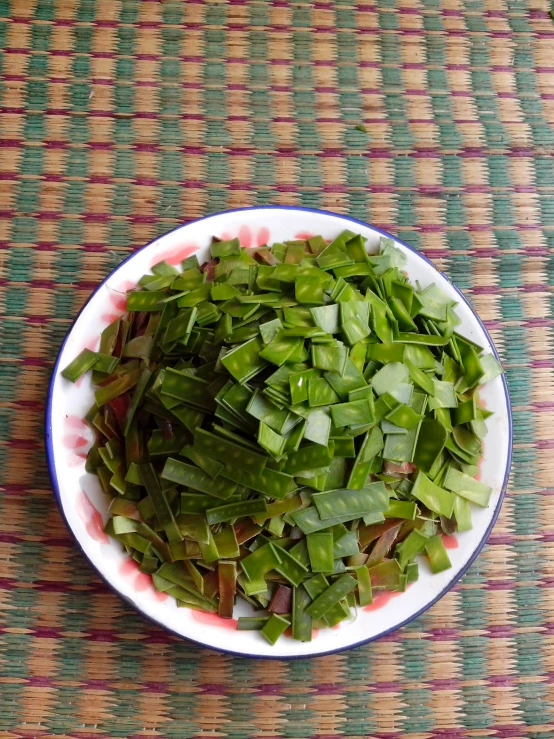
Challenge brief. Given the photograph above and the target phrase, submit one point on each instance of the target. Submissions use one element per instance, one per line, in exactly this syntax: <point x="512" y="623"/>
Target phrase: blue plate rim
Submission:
<point x="52" y="468"/>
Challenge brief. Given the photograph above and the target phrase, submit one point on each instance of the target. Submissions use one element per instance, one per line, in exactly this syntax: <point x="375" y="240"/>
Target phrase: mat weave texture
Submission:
<point x="120" y="120"/>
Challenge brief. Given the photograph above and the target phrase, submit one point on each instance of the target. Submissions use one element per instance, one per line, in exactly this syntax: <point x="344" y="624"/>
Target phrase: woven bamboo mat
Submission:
<point x="121" y="119"/>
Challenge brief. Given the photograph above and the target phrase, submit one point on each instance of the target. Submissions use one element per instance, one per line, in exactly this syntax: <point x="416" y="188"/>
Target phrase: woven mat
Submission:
<point x="120" y="120"/>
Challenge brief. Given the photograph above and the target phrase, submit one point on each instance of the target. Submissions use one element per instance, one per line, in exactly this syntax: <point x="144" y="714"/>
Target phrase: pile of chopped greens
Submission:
<point x="293" y="427"/>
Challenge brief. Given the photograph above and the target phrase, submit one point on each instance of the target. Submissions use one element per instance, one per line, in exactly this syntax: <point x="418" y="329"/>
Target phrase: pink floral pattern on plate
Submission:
<point x="380" y="600"/>
<point x="450" y="541"/>
<point x="248" y="237"/>
<point x="212" y="619"/>
<point x="76" y="440"/>
<point x="90" y="516"/>
<point x="175" y="256"/>
<point x="118" y="301"/>
<point x="140" y="581"/>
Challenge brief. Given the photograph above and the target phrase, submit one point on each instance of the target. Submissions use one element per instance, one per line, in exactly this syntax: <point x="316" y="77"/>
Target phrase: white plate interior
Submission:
<point x="83" y="503"/>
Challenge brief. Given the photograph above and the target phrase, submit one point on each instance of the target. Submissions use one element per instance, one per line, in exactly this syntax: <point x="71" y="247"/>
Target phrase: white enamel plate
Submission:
<point x="84" y="506"/>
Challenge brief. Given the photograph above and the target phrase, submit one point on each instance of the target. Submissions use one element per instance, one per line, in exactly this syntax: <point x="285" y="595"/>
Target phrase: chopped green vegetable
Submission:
<point x="467" y="487"/>
<point x="301" y="621"/>
<point x="365" y="595"/>
<point x="80" y="365"/>
<point x="354" y="413"/>
<point x="293" y="427"/>
<point x="231" y="511"/>
<point x="291" y="568"/>
<point x="354" y="503"/>
<point x="438" y="556"/>
<point x="274" y="628"/>
<point x="412" y="545"/>
<point x="436" y="499"/>
<point x="317" y="585"/>
<point x="227" y="576"/>
<point x="320" y="550"/>
<point x="331" y="596"/>
<point x="192" y="477"/>
<point x="254" y="623"/>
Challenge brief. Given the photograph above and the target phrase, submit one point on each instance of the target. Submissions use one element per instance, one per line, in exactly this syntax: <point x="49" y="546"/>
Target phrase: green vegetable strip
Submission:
<point x="309" y="457"/>
<point x="191" y="503"/>
<point x="462" y="514"/>
<point x="145" y="301"/>
<point x="365" y="595"/>
<point x="244" y="361"/>
<point x="353" y="503"/>
<point x="80" y="365"/>
<point x="320" y="550"/>
<point x="192" y="477"/>
<point x="255" y="623"/>
<point x="317" y="585"/>
<point x="272" y="483"/>
<point x="117" y="387"/>
<point x="151" y="482"/>
<point x="229" y="453"/>
<point x="260" y="562"/>
<point x="254" y="587"/>
<point x="327" y="318"/>
<point x="438" y="556"/>
<point x="331" y="596"/>
<point x="274" y="628"/>
<point x="309" y="521"/>
<point x="320" y="392"/>
<point x="136" y="399"/>
<point x="105" y="363"/>
<point x="193" y="526"/>
<point x="157" y="542"/>
<point x="430" y="443"/>
<point x="209" y="551"/>
<point x="271" y="441"/>
<point x="409" y="338"/>
<point x="435" y="498"/>
<point x="344" y="446"/>
<point x="226" y="543"/>
<point x="189" y="600"/>
<point x="301" y="621"/>
<point x="403" y="416"/>
<point x="286" y="505"/>
<point x="300" y="414"/>
<point x="290" y="568"/>
<point x="187" y="389"/>
<point x="346" y="546"/>
<point x="467" y="487"/>
<point x="206" y="463"/>
<point x="298" y="385"/>
<point x="386" y="576"/>
<point x="402" y="509"/>
<point x="108" y="337"/>
<point x="178" y="574"/>
<point x="235" y="510"/>
<point x="246" y="530"/>
<point x="350" y="414"/>
<point x="227" y="575"/>
<point x="371" y="446"/>
<point x="412" y="545"/>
